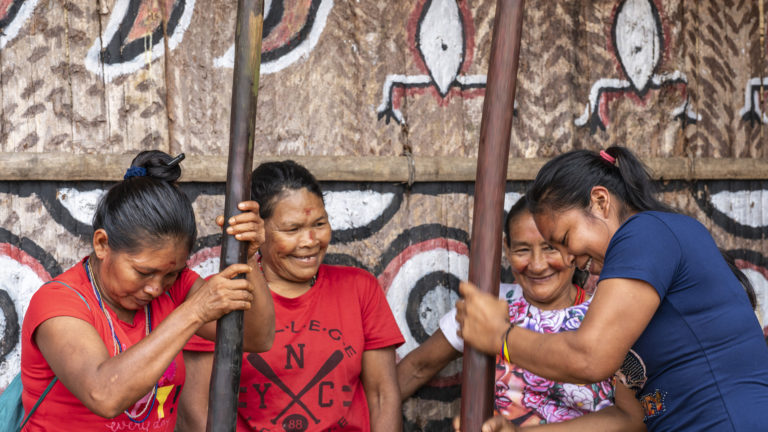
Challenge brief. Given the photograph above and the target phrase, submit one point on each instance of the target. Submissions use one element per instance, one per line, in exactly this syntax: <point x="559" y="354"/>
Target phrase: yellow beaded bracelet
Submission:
<point x="504" y="349"/>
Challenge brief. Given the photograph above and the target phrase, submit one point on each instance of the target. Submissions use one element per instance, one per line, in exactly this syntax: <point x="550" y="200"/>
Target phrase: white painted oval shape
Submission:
<point x="81" y="205"/>
<point x="441" y="42"/>
<point x="747" y="207"/>
<point x="353" y="209"/>
<point x="638" y="41"/>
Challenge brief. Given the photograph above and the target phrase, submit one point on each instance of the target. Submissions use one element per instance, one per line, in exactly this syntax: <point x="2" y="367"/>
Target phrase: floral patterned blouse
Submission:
<point x="525" y="398"/>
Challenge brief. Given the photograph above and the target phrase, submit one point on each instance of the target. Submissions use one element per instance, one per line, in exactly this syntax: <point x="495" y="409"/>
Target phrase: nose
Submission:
<point x="538" y="261"/>
<point x="309" y="239"/>
<point x="154" y="287"/>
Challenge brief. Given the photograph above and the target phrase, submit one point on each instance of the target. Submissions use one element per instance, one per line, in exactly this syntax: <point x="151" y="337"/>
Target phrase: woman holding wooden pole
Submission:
<point x="697" y="357"/>
<point x="111" y="328"/>
<point x="485" y="251"/>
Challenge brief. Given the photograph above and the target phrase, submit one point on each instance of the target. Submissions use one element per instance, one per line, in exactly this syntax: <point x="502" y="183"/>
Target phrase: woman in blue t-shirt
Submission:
<point x="668" y="311"/>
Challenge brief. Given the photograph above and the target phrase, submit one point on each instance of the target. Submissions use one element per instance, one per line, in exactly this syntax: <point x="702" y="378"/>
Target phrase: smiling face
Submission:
<point x="297" y="237"/>
<point x="538" y="267"/>
<point x="584" y="235"/>
<point x="130" y="280"/>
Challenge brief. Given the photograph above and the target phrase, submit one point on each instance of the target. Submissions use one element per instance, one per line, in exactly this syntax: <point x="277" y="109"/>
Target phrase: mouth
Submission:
<point x="143" y="302"/>
<point x="540" y="279"/>
<point x="306" y="259"/>
<point x="502" y="401"/>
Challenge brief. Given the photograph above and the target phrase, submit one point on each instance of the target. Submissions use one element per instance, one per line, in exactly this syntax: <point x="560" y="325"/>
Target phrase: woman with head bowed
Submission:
<point x="332" y="366"/>
<point x="111" y="328"/>
<point x="668" y="309"/>
<point x="547" y="297"/>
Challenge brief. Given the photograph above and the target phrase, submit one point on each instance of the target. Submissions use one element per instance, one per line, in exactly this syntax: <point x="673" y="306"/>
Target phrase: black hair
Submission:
<point x="144" y="208"/>
<point x="743" y="279"/>
<point x="270" y="179"/>
<point x="514" y="211"/>
<point x="579" y="276"/>
<point x="566" y="182"/>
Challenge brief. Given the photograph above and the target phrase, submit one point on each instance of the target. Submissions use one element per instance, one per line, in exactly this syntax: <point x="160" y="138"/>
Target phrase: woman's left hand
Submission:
<point x="247" y="226"/>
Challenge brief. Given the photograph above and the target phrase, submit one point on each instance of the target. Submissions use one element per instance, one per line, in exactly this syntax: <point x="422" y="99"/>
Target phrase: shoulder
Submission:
<point x="659" y="220"/>
<point x="68" y="294"/>
<point x="510" y="292"/>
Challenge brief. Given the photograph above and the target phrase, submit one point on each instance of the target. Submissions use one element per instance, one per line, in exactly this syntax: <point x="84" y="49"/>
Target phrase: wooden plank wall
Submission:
<point x="372" y="95"/>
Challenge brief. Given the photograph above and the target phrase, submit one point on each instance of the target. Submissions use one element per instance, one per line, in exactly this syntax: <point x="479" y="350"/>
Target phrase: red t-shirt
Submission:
<point x="310" y="379"/>
<point x="60" y="407"/>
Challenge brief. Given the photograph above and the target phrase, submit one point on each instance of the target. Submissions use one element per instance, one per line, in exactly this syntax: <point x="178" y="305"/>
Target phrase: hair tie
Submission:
<point x="608" y="158"/>
<point x="135" y="172"/>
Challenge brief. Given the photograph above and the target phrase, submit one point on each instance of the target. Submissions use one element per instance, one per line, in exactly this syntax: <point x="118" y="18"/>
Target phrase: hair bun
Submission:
<point x="159" y="165"/>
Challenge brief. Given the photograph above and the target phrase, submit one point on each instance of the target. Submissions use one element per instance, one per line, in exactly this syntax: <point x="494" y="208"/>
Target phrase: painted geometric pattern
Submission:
<point x="415" y="241"/>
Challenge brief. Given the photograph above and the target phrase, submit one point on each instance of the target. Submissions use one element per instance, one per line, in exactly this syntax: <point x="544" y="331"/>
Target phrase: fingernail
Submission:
<point x="231" y="221"/>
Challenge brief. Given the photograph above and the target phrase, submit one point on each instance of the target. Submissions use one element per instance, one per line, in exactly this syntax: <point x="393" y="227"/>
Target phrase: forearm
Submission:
<point x="136" y="370"/>
<point x="385" y="410"/>
<point x="423" y="363"/>
<point x="609" y="419"/>
<point x="543" y="355"/>
<point x="259" y="320"/>
<point x="411" y="376"/>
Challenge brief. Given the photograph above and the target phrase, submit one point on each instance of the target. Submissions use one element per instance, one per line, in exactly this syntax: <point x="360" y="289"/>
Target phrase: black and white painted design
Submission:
<point x="755" y="267"/>
<point x="355" y="213"/>
<point x="637" y="37"/>
<point x="24" y="267"/>
<point x="133" y="37"/>
<point x="739" y="207"/>
<point x="285" y="41"/>
<point x="441" y="34"/>
<point x="14" y="14"/>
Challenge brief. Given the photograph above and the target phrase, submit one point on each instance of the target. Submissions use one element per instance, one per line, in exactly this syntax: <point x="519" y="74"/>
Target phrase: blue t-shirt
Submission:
<point x="702" y="362"/>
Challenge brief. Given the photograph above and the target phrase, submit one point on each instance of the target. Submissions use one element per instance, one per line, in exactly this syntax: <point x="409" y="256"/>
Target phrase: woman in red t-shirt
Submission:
<point x="332" y="366"/>
<point x="112" y="327"/>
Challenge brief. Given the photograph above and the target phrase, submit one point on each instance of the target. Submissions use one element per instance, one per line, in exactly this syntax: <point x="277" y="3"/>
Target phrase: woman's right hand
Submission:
<point x="483" y="319"/>
<point x="221" y="294"/>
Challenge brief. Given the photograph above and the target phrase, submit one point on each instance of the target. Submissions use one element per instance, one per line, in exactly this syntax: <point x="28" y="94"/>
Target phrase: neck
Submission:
<point x="283" y="287"/>
<point x="122" y="313"/>
<point x="565" y="300"/>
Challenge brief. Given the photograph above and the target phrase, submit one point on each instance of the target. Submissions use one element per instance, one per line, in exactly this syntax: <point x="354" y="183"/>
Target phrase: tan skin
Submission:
<point x="620" y="309"/>
<point x="77" y="354"/>
<point x="546" y="280"/>
<point x="297" y="238"/>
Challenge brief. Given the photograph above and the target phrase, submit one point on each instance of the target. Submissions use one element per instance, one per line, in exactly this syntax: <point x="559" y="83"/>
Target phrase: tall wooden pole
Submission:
<point x="228" y="355"/>
<point x="493" y="154"/>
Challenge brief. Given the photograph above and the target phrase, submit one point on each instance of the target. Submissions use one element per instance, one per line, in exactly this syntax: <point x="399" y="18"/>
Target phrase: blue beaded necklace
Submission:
<point x="118" y="346"/>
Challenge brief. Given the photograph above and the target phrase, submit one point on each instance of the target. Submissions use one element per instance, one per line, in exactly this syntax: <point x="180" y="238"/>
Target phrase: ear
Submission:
<point x="100" y="243"/>
<point x="600" y="201"/>
<point x="505" y="247"/>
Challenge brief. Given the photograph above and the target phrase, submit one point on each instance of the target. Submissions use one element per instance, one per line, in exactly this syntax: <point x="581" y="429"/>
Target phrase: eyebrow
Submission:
<point x="154" y="270"/>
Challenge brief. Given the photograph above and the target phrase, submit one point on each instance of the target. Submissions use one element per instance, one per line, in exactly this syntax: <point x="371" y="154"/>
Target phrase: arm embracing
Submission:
<point x="619" y="312"/>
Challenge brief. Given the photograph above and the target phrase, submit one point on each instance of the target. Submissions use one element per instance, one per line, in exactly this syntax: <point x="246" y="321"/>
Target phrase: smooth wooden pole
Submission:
<point x="228" y="355"/>
<point x="485" y="251"/>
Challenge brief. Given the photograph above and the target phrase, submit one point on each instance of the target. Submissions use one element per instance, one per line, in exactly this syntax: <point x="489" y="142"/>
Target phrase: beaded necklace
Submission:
<point x="118" y="346"/>
<point x="581" y="295"/>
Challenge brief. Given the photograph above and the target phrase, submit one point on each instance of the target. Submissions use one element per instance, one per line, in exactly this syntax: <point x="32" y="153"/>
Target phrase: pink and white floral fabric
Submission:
<point x="526" y="398"/>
